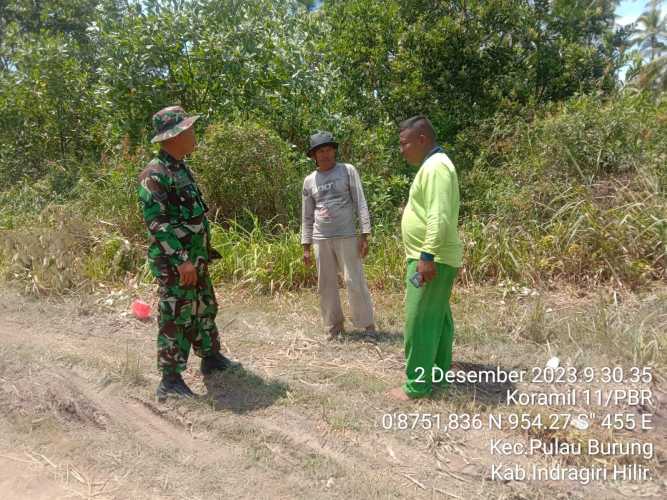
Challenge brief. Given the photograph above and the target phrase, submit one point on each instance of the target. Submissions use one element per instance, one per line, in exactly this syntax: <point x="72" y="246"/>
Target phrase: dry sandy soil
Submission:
<point x="303" y="419"/>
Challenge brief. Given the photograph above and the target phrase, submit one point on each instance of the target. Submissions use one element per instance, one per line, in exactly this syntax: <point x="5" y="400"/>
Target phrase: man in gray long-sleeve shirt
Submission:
<point x="332" y="200"/>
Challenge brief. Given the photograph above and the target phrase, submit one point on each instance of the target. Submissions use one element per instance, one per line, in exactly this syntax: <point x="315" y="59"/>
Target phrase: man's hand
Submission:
<point x="362" y="245"/>
<point x="187" y="273"/>
<point x="427" y="269"/>
<point x="307" y="256"/>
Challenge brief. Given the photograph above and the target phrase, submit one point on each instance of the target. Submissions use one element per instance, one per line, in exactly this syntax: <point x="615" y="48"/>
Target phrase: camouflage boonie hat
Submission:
<point x="169" y="122"/>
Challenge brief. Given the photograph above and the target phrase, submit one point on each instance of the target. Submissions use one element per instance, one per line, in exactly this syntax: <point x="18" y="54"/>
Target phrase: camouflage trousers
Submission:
<point x="186" y="318"/>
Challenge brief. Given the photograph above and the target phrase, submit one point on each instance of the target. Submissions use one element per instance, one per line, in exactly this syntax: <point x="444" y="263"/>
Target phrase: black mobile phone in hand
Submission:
<point x="416" y="279"/>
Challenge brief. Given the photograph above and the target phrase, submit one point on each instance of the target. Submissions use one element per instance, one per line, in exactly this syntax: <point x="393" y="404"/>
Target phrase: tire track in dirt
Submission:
<point x="144" y="421"/>
<point x="153" y="426"/>
<point x="389" y="462"/>
<point x="132" y="415"/>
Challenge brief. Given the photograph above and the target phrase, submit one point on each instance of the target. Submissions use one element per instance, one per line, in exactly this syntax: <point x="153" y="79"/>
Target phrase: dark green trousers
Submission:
<point x="186" y="318"/>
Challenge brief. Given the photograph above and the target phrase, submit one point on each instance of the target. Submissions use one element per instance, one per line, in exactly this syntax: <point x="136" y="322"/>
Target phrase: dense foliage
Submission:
<point x="79" y="75"/>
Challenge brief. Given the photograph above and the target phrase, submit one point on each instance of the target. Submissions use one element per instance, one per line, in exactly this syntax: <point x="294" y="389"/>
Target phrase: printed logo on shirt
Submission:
<point x="324" y="187"/>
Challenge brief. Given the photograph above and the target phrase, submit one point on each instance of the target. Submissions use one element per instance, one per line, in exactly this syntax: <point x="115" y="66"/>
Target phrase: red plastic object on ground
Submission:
<point x="141" y="310"/>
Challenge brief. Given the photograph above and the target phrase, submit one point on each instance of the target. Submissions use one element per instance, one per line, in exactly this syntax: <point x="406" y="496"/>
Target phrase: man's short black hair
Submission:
<point x="420" y="122"/>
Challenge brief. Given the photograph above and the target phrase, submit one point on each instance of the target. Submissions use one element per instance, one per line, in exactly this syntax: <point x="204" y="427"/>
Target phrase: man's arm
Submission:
<point x="307" y="221"/>
<point x="437" y="191"/>
<point x="359" y="199"/>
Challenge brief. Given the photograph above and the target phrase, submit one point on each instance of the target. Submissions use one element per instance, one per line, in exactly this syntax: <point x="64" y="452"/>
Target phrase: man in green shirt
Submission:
<point x="434" y="254"/>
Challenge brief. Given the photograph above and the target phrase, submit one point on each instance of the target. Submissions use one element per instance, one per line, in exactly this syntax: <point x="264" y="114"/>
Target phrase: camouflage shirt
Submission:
<point x="174" y="212"/>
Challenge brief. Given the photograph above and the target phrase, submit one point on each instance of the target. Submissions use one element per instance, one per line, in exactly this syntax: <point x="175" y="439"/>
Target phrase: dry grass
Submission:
<point x="304" y="415"/>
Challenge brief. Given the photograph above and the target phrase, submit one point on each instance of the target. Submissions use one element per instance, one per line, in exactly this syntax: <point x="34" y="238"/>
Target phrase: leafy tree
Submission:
<point x="651" y="76"/>
<point x="80" y="77"/>
<point x="48" y="117"/>
<point x="654" y="75"/>
<point x="463" y="61"/>
<point x="248" y="58"/>
<point x="47" y="88"/>
<point x="651" y="32"/>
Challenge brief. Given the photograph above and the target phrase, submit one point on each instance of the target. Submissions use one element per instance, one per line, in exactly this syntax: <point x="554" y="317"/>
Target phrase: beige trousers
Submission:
<point x="342" y="255"/>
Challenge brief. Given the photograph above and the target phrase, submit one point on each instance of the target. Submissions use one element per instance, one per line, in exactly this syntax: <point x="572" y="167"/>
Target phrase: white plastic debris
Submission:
<point x="580" y="423"/>
<point x="553" y="362"/>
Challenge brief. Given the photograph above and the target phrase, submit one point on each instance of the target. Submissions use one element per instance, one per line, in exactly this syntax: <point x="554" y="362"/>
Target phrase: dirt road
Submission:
<point x="305" y="417"/>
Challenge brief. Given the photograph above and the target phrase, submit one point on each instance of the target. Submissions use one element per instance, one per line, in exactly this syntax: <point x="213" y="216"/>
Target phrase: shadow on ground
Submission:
<point x="486" y="391"/>
<point x="242" y="391"/>
<point x="378" y="337"/>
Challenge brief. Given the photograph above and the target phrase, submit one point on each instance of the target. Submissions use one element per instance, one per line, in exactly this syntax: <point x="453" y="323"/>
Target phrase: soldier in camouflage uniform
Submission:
<point x="179" y="254"/>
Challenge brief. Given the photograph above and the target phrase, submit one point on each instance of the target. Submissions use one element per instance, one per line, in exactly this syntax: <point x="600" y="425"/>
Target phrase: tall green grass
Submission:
<point x="269" y="258"/>
<point x="575" y="195"/>
<point x="582" y="241"/>
<point x="263" y="258"/>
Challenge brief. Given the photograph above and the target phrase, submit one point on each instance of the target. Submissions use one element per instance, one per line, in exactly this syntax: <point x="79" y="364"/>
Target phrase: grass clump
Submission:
<point x="577" y="194"/>
<point x="262" y="258"/>
<point x="111" y="259"/>
<point x="268" y="258"/>
<point x="49" y="256"/>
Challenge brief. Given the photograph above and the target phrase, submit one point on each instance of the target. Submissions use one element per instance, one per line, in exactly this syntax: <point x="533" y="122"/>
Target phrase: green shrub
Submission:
<point x="576" y="194"/>
<point x="107" y="194"/>
<point x="385" y="196"/>
<point x="247" y="168"/>
<point x="23" y="202"/>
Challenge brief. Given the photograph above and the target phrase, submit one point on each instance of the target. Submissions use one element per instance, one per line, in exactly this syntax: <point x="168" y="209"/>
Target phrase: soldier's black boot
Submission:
<point x="217" y="362"/>
<point x="172" y="384"/>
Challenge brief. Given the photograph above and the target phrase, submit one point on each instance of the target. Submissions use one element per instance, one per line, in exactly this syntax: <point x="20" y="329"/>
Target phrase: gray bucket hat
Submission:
<point x="171" y="121"/>
<point x="320" y="139"/>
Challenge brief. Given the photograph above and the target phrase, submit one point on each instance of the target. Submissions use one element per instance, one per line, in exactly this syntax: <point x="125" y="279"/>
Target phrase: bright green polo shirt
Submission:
<point x="431" y="216"/>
